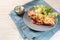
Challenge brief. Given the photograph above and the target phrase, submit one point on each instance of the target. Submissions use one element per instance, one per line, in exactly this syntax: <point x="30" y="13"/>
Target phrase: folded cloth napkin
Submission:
<point x="28" y="33"/>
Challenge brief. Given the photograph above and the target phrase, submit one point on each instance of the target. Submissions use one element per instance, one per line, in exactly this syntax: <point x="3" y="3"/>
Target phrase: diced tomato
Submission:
<point x="33" y="21"/>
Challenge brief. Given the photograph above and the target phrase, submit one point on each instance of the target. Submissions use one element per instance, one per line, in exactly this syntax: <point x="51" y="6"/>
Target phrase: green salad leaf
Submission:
<point x="18" y="8"/>
<point x="44" y="10"/>
<point x="53" y="14"/>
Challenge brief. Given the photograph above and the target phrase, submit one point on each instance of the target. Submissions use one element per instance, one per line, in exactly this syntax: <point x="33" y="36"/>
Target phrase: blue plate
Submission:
<point x="28" y="22"/>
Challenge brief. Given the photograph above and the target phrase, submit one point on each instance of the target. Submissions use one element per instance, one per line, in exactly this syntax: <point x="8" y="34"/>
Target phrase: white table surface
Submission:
<point x="8" y="30"/>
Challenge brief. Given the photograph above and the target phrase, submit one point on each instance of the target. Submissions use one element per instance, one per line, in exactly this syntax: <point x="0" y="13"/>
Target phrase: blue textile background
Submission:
<point x="25" y="31"/>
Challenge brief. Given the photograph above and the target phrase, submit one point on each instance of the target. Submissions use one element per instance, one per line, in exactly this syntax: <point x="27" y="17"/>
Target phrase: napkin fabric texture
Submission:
<point x="27" y="32"/>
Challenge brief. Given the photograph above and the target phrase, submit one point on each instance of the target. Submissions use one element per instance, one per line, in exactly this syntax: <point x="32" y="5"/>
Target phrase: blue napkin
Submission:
<point x="28" y="33"/>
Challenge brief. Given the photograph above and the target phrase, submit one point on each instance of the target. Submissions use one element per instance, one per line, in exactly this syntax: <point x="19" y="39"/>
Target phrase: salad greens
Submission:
<point x="45" y="10"/>
<point x="17" y="8"/>
<point x="53" y="14"/>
